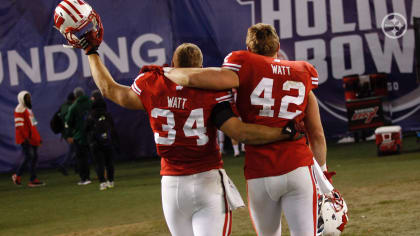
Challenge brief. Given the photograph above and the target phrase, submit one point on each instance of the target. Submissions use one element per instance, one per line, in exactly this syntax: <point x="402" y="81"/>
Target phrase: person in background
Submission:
<point x="64" y="108"/>
<point x="102" y="138"/>
<point x="235" y="144"/>
<point x="28" y="137"/>
<point x="75" y="121"/>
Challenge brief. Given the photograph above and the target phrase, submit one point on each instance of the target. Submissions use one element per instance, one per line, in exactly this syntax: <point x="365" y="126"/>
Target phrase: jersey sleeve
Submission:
<point x="222" y="110"/>
<point x="223" y="96"/>
<point x="233" y="61"/>
<point x="313" y="74"/>
<point x="139" y="84"/>
<point x="143" y="87"/>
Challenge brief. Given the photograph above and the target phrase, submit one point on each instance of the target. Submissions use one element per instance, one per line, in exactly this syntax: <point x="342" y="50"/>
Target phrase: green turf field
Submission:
<point x="382" y="195"/>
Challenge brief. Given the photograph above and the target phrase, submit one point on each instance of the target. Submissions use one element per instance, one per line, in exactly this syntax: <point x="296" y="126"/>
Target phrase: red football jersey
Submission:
<point x="180" y="118"/>
<point x="272" y="92"/>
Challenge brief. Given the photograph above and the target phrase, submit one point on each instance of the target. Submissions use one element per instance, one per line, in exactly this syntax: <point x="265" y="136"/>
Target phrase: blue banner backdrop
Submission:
<point x="339" y="37"/>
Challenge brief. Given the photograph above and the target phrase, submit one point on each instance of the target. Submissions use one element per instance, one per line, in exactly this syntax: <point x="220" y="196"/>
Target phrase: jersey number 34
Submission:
<point x="196" y="117"/>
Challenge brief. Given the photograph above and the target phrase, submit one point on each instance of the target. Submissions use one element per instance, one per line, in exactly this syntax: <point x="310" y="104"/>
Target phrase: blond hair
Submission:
<point x="188" y="55"/>
<point x="262" y="39"/>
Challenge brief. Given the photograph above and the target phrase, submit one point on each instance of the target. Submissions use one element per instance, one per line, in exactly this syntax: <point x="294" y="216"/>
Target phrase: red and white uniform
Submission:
<point x="192" y="194"/>
<point x="180" y="119"/>
<point x="25" y="123"/>
<point x="272" y="92"/>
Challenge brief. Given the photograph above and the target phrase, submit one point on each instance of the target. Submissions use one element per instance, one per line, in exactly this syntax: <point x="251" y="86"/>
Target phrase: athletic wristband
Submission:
<point x="290" y="129"/>
<point x="324" y="167"/>
<point x="92" y="51"/>
<point x="221" y="113"/>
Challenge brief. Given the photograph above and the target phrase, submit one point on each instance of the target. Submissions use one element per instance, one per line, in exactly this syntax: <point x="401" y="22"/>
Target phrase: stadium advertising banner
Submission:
<point x="340" y="38"/>
<point x="365" y="113"/>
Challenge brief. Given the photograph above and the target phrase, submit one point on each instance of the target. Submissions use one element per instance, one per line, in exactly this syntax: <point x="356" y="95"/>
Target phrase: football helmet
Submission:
<point x="332" y="214"/>
<point x="73" y="16"/>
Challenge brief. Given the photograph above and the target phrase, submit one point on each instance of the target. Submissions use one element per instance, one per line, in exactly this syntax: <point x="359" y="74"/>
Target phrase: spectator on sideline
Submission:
<point x="75" y="122"/>
<point x="102" y="138"/>
<point x="235" y="144"/>
<point x="64" y="108"/>
<point x="28" y="137"/>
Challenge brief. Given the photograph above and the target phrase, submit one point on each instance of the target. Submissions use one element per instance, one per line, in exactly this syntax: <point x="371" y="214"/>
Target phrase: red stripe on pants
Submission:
<point x="314" y="201"/>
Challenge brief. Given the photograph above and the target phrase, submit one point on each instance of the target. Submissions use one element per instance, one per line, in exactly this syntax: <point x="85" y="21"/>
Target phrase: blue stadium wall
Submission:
<point x="339" y="37"/>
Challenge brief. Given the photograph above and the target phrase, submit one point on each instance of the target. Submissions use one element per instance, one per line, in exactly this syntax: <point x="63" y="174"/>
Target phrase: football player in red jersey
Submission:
<point x="272" y="92"/>
<point x="197" y="196"/>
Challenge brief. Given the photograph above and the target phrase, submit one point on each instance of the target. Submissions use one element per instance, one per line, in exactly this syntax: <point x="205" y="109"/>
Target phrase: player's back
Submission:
<point x="180" y="119"/>
<point x="272" y="92"/>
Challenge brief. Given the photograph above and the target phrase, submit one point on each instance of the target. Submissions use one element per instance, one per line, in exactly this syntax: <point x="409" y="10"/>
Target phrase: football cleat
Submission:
<point x="103" y="186"/>
<point x="110" y="184"/>
<point x="36" y="183"/>
<point x="16" y="179"/>
<point x="84" y="182"/>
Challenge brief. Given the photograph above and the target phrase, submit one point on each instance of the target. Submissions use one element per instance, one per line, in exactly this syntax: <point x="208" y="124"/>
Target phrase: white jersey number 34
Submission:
<point x="196" y="117"/>
<point x="265" y="87"/>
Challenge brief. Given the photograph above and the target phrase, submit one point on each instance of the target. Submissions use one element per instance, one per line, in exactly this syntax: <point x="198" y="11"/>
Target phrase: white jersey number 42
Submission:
<point x="265" y="87"/>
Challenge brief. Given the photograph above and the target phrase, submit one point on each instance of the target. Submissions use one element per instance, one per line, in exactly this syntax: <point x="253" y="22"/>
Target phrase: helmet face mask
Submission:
<point x="73" y="18"/>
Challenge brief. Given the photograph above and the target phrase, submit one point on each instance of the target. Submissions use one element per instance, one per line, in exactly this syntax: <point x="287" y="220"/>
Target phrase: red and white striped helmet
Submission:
<point x="332" y="214"/>
<point x="71" y="16"/>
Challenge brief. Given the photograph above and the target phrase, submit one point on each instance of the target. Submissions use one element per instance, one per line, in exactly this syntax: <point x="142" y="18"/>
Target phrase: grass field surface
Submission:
<point x="382" y="194"/>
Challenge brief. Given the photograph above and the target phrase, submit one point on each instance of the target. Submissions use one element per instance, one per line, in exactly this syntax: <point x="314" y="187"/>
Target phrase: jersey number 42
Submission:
<point x="265" y="87"/>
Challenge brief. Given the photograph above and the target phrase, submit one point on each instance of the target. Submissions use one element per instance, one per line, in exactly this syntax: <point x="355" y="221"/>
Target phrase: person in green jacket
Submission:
<point x="75" y="120"/>
<point x="68" y="159"/>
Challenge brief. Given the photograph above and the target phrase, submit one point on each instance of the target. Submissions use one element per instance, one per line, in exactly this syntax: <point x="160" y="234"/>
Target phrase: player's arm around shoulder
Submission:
<point x="251" y="133"/>
<point x="120" y="94"/>
<point x="206" y="78"/>
<point x="224" y="118"/>
<point x="254" y="134"/>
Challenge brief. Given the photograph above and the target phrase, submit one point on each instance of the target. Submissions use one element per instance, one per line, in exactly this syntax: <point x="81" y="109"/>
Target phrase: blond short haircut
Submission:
<point x="188" y="55"/>
<point x="262" y="39"/>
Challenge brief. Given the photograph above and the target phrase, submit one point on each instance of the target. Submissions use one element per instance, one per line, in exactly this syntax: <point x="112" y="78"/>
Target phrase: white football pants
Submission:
<point x="195" y="205"/>
<point x="293" y="193"/>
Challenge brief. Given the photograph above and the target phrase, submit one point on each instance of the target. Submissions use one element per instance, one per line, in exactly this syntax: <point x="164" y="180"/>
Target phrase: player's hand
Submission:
<point x="293" y="130"/>
<point x="92" y="39"/>
<point x="90" y="42"/>
<point x="152" y="68"/>
<point x="329" y="175"/>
